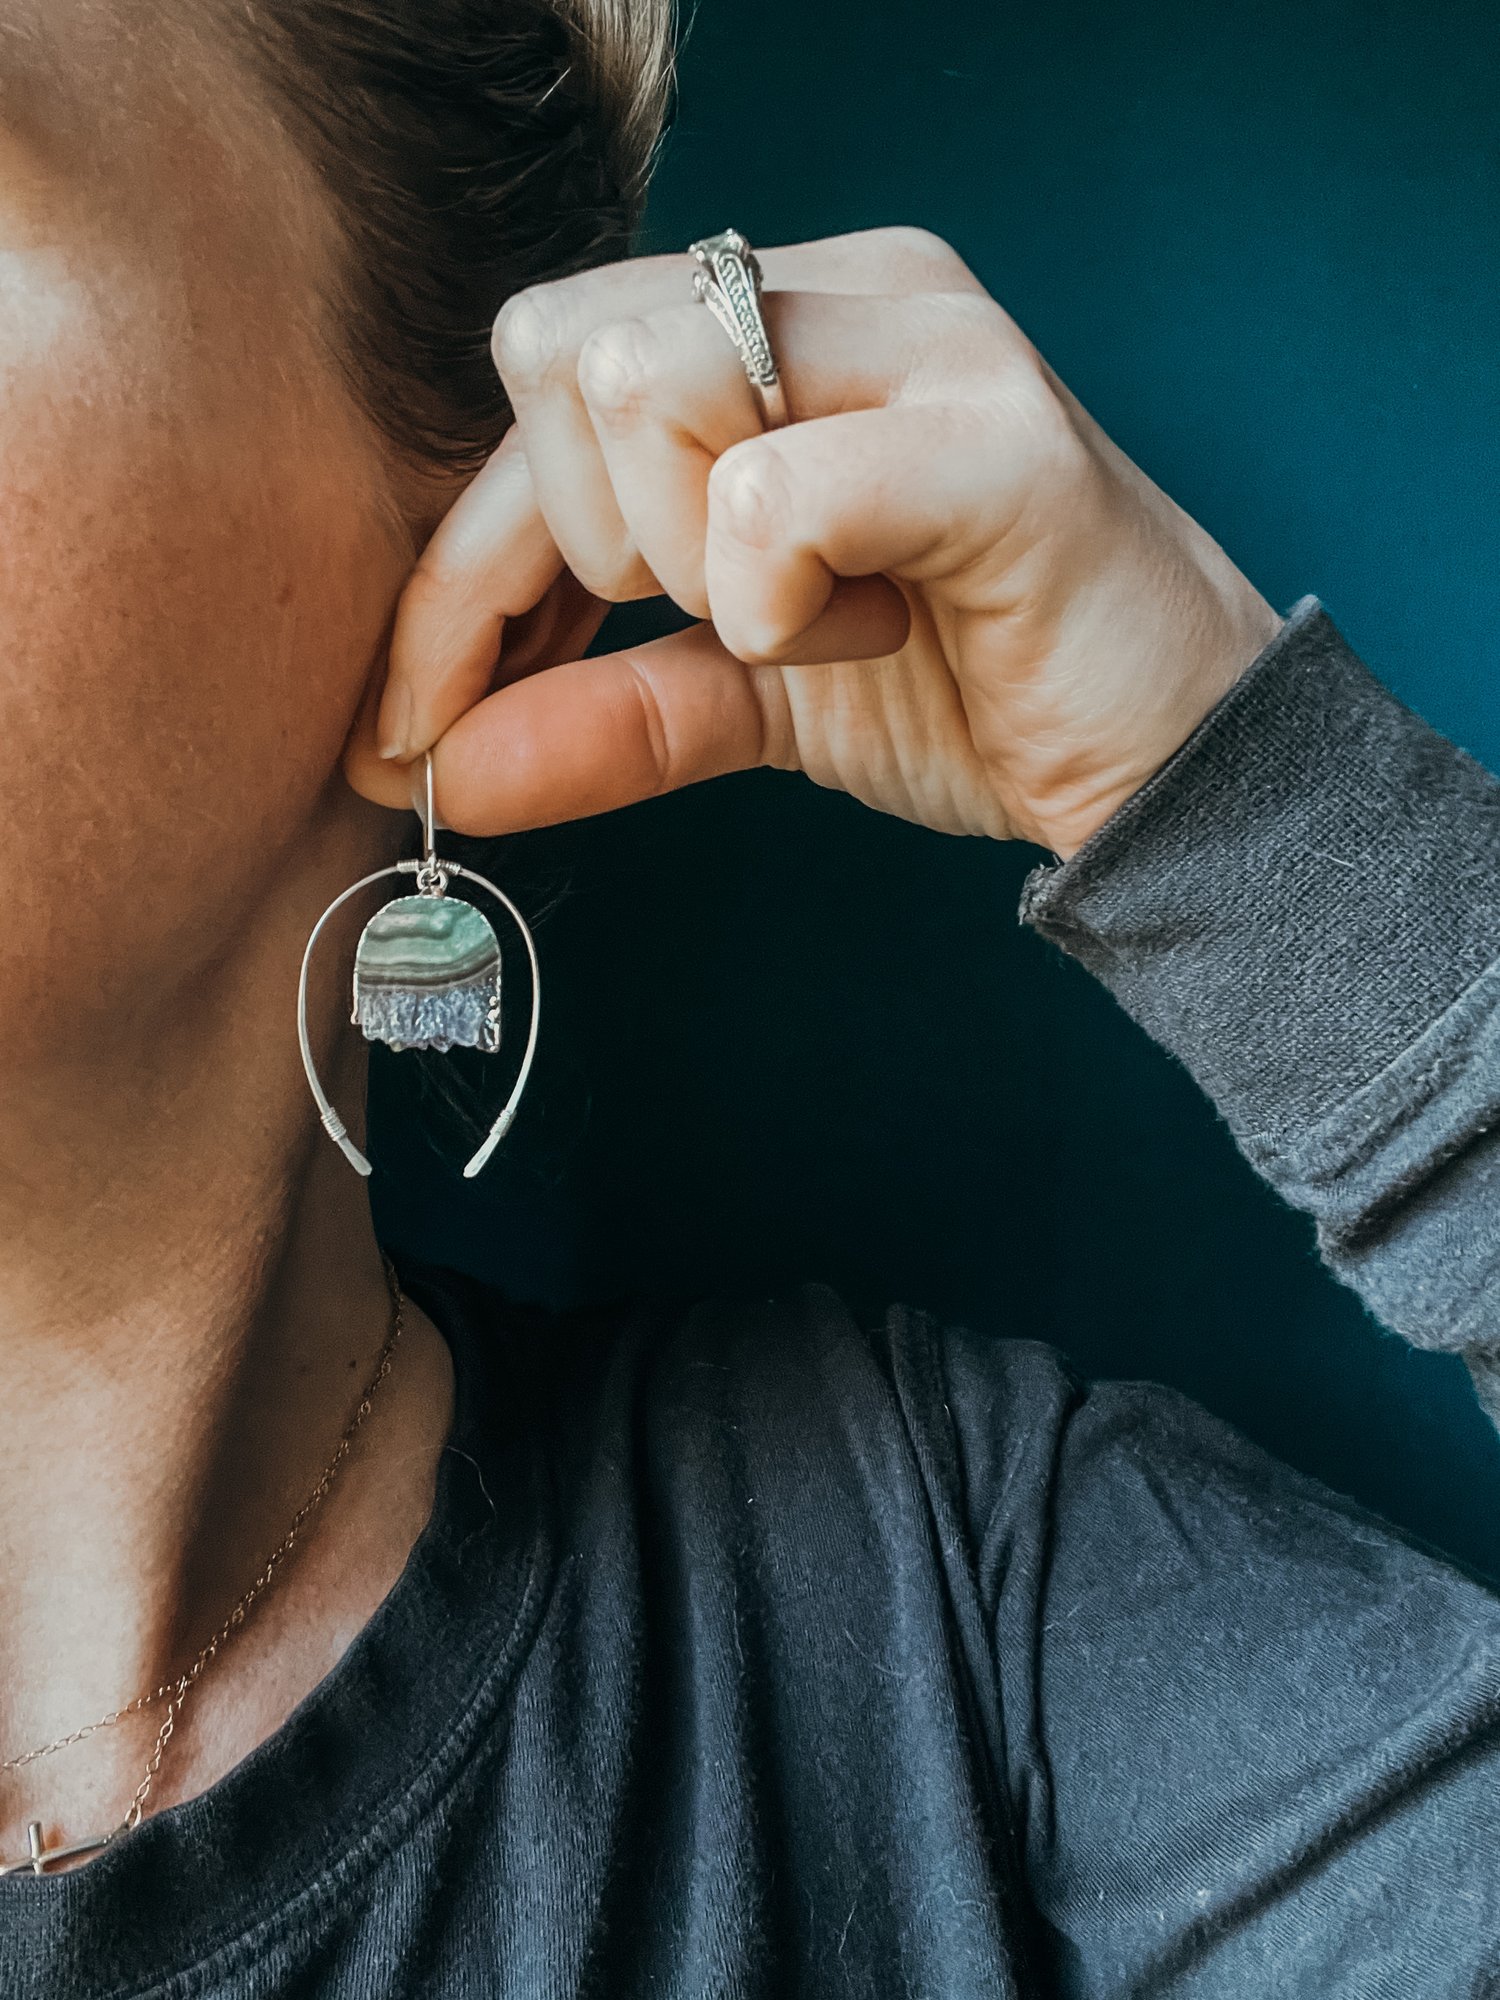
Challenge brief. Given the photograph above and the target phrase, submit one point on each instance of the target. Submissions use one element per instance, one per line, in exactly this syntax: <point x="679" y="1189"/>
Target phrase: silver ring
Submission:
<point x="728" y="282"/>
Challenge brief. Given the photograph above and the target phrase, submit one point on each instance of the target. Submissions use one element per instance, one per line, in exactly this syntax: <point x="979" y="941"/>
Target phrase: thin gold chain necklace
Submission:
<point x="174" y="1693"/>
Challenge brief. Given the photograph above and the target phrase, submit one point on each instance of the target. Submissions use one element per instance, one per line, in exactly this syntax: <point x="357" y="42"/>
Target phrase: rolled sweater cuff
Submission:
<point x="1303" y="905"/>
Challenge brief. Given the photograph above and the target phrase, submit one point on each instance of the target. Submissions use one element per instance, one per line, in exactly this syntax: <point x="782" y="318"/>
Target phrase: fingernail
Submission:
<point x="396" y="734"/>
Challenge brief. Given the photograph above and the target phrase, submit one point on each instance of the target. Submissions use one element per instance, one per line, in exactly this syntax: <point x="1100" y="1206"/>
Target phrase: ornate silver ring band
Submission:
<point x="728" y="282"/>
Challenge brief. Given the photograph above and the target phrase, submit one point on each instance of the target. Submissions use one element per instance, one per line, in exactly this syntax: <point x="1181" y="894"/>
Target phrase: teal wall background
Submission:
<point x="787" y="1038"/>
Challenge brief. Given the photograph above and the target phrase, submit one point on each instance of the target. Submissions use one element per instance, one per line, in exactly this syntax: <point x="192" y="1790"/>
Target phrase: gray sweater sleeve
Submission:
<point x="1303" y="905"/>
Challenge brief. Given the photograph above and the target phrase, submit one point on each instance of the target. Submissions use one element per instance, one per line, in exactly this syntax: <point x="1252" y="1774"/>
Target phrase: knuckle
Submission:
<point x="432" y="581"/>
<point x="976" y="315"/>
<point x="757" y="643"/>
<point x="1037" y="434"/>
<point x="615" y="575"/>
<point x="914" y="254"/>
<point x="961" y="334"/>
<point x="1035" y="414"/>
<point x="528" y="334"/>
<point x="616" y="369"/>
<point x="750" y="494"/>
<point x="776" y="730"/>
<point x="653" y="727"/>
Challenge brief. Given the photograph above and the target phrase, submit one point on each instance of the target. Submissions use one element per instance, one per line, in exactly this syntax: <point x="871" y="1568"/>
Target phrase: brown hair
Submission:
<point x="472" y="148"/>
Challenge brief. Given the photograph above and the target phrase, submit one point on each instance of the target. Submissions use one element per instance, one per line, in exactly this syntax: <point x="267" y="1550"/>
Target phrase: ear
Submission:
<point x="415" y="503"/>
<point x="560" y="628"/>
<point x="370" y="774"/>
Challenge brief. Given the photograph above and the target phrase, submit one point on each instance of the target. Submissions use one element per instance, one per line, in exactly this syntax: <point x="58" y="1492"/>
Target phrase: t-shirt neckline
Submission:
<point x="360" y="1760"/>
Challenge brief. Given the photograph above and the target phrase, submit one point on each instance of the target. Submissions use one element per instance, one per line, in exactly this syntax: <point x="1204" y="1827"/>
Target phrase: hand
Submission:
<point x="941" y="588"/>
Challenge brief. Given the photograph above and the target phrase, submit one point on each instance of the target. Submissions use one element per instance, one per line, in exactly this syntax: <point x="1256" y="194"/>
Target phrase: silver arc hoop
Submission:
<point x="332" y="1123"/>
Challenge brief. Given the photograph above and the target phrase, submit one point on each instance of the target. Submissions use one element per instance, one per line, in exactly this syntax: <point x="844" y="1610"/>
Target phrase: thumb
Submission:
<point x="597" y="734"/>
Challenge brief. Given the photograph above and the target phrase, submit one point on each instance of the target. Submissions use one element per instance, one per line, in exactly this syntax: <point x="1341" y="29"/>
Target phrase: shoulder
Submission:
<point x="795" y="1449"/>
<point x="754" y="1382"/>
<point x="796" y="1400"/>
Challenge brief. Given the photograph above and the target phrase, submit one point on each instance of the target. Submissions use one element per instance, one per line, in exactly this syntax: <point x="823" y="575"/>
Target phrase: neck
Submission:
<point x="191" y="1300"/>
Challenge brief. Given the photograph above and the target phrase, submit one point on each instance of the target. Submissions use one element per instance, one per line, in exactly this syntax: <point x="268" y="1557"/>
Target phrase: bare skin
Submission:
<point x="192" y="603"/>
<point x="942" y="590"/>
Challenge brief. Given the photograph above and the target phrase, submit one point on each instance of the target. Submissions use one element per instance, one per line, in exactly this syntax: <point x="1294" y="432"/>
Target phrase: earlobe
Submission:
<point x="376" y="778"/>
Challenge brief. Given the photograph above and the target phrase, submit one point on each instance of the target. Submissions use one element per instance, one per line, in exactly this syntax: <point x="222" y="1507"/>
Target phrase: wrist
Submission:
<point x="1189" y="662"/>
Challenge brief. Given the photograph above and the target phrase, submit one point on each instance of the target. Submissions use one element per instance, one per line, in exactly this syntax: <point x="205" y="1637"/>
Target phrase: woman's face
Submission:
<point x="197" y="549"/>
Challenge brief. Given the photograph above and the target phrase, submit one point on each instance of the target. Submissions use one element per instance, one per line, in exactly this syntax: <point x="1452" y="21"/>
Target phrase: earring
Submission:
<point x="426" y="976"/>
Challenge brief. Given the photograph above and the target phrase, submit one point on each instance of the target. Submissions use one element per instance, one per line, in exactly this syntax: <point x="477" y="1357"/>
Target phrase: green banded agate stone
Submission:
<point x="427" y="976"/>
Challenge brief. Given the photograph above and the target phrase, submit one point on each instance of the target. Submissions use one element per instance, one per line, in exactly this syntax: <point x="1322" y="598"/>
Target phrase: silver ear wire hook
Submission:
<point x="432" y="876"/>
<point x="428" y="814"/>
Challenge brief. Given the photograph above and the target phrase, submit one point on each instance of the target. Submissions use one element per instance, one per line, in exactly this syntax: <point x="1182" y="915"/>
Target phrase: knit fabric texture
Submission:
<point x="1303" y="905"/>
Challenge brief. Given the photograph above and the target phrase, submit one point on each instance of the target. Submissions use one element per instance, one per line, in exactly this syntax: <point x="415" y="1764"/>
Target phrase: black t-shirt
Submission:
<point x="752" y="1651"/>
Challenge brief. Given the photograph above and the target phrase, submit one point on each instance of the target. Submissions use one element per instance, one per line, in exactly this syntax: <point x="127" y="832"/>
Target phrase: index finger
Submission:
<point x="490" y="558"/>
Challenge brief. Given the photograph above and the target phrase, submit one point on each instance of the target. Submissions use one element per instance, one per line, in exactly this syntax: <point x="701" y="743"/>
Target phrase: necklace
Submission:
<point x="40" y="1857"/>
